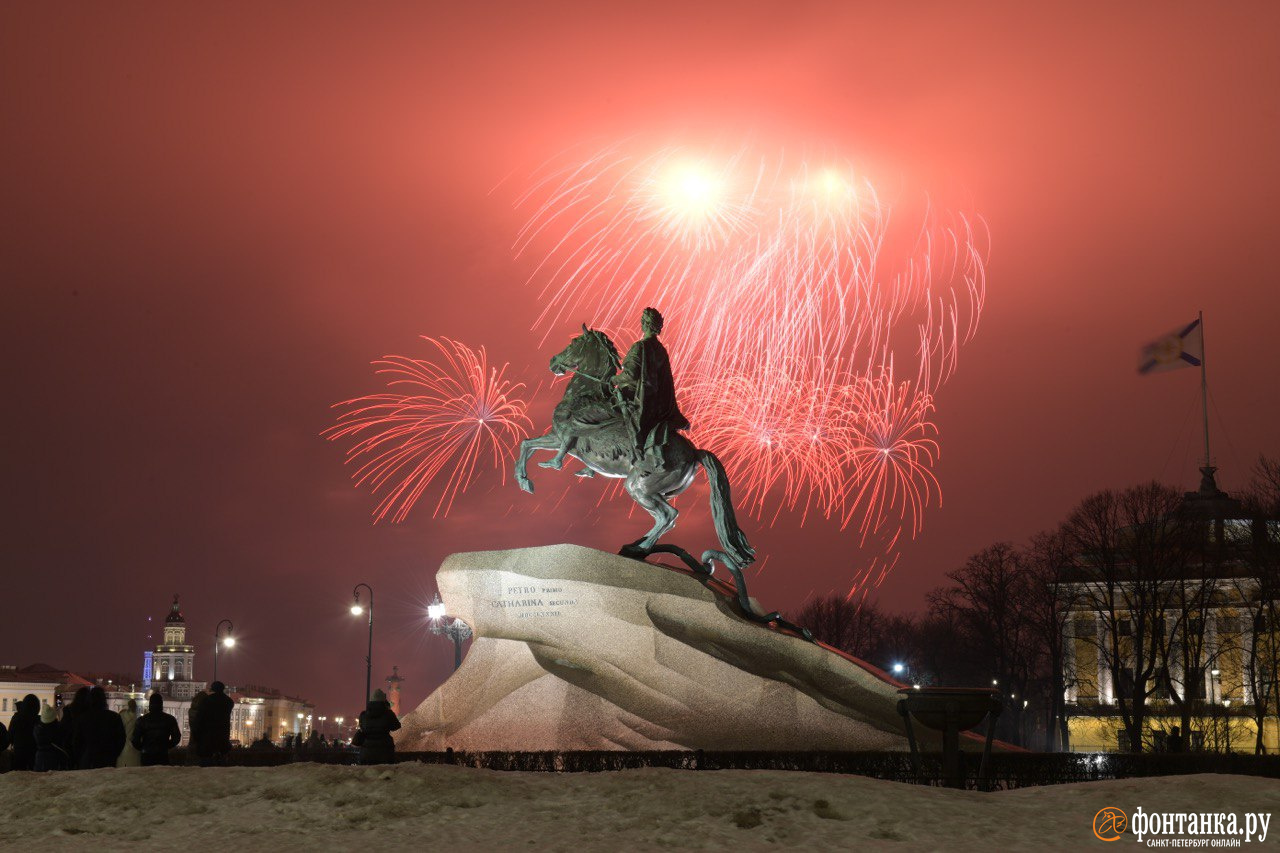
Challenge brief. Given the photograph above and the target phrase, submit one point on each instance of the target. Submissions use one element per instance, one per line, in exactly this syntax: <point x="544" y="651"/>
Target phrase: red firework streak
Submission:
<point x="460" y="415"/>
<point x="790" y="301"/>
<point x="789" y="298"/>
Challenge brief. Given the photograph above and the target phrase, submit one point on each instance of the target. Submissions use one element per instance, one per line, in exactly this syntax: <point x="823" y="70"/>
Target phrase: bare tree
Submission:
<point x="1262" y="496"/>
<point x="1050" y="609"/>
<point x="1258" y="595"/>
<point x="851" y="625"/>
<point x="1127" y="547"/>
<point x="897" y="641"/>
<point x="1192" y="606"/>
<point x="990" y="603"/>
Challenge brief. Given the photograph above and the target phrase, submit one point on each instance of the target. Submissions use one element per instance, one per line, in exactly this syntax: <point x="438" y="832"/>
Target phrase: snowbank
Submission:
<point x="415" y="806"/>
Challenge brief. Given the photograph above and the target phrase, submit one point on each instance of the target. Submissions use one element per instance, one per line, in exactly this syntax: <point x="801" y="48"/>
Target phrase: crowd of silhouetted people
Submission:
<point x="88" y="735"/>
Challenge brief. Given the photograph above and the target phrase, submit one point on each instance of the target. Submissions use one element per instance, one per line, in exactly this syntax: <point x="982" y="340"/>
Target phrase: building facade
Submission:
<point x="266" y="711"/>
<point x="16" y="683"/>
<point x="169" y="671"/>
<point x="1193" y="638"/>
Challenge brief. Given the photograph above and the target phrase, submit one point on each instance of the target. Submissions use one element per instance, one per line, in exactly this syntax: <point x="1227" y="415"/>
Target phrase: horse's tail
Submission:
<point x="732" y="539"/>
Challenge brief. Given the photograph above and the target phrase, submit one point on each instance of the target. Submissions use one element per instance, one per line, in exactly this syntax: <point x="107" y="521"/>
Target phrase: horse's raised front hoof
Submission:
<point x="585" y="472"/>
<point x="525" y="485"/>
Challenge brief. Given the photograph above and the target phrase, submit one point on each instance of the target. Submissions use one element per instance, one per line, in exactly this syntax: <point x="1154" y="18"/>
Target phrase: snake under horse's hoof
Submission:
<point x="706" y="566"/>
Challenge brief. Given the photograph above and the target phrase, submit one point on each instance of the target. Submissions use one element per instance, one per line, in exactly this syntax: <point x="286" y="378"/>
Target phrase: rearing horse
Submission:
<point x="588" y="425"/>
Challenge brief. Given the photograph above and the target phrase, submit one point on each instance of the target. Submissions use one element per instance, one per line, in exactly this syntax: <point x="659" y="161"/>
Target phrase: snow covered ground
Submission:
<point x="414" y="806"/>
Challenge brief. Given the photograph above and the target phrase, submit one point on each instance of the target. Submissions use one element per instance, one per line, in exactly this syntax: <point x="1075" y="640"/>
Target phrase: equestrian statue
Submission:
<point x="620" y="419"/>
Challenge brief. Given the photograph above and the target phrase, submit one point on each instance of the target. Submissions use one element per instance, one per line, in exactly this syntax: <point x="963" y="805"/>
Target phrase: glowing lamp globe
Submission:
<point x="435" y="610"/>
<point x="356" y="610"/>
<point x="228" y="642"/>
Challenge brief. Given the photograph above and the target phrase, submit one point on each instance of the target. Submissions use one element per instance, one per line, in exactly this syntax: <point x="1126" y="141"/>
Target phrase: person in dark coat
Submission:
<point x="99" y="734"/>
<point x="48" y="735"/>
<point x="70" y="713"/>
<point x="22" y="728"/>
<point x="373" y="736"/>
<point x="155" y="733"/>
<point x="1174" y="742"/>
<point x="212" y="728"/>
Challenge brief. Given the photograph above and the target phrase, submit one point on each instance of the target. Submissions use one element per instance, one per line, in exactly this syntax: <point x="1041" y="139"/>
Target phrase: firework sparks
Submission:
<point x="793" y="298"/>
<point x="790" y="298"/>
<point x="461" y="416"/>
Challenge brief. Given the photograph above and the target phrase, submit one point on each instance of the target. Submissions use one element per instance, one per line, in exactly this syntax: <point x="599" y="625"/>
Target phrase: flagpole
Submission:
<point x="1204" y="390"/>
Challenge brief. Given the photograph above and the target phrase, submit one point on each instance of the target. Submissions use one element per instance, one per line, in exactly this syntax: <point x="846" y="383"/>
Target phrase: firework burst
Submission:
<point x="810" y="326"/>
<point x="440" y="422"/>
<point x="792" y="293"/>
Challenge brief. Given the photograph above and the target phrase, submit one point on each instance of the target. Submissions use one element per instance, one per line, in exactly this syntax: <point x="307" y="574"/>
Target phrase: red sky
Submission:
<point x="215" y="217"/>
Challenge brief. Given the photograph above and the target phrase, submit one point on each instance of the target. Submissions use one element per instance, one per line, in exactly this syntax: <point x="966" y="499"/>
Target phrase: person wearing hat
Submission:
<point x="373" y="735"/>
<point x="48" y="737"/>
<point x="156" y="733"/>
<point x="212" y="728"/>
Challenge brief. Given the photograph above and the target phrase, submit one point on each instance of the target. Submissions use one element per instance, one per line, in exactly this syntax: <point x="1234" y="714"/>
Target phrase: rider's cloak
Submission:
<point x="646" y="379"/>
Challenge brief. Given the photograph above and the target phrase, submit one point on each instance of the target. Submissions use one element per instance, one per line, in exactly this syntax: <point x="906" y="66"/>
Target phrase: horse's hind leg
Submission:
<point x="557" y="462"/>
<point x="664" y="514"/>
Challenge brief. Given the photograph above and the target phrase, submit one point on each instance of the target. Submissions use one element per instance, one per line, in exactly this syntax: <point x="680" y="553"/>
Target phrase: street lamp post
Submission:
<point x="356" y="610"/>
<point x="1214" y="691"/>
<point x="227" y="641"/>
<point x="457" y="630"/>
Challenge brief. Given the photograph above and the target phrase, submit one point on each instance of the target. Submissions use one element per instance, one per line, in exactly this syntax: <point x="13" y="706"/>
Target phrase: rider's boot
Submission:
<point x="586" y="472"/>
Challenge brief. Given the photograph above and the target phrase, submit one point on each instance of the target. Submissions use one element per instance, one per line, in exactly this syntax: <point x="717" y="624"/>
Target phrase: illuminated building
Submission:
<point x="1198" y="635"/>
<point x="265" y="710"/>
<point x="16" y="683"/>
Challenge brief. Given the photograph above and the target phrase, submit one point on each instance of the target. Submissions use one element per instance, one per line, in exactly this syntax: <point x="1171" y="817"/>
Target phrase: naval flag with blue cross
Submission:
<point x="1182" y="347"/>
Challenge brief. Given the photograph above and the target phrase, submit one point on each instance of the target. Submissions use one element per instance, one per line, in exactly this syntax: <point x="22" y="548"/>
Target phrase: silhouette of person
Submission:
<point x="377" y="722"/>
<point x="99" y="734"/>
<point x="155" y="733"/>
<point x="212" y="727"/>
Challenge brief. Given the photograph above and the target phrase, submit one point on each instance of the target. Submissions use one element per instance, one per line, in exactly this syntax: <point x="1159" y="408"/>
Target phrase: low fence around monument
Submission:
<point x="1008" y="770"/>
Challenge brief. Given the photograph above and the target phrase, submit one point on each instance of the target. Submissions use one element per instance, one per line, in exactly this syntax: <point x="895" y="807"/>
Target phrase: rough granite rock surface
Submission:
<point x="578" y="649"/>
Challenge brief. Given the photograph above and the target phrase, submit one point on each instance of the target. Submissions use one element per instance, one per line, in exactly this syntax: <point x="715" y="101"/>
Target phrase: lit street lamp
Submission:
<point x="356" y="610"/>
<point x="457" y="630"/>
<point x="227" y="641"/>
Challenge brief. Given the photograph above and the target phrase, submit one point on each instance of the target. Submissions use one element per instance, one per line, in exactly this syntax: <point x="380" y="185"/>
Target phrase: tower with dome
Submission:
<point x="170" y="668"/>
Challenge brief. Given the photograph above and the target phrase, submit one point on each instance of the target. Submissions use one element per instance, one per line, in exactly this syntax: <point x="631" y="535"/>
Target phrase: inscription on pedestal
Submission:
<point x="534" y="601"/>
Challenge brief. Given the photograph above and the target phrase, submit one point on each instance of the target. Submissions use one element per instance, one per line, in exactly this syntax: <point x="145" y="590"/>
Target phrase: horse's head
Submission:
<point x="591" y="353"/>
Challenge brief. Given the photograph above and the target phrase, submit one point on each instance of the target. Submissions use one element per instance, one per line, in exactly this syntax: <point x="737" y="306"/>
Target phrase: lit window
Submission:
<point x="1237" y="530"/>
